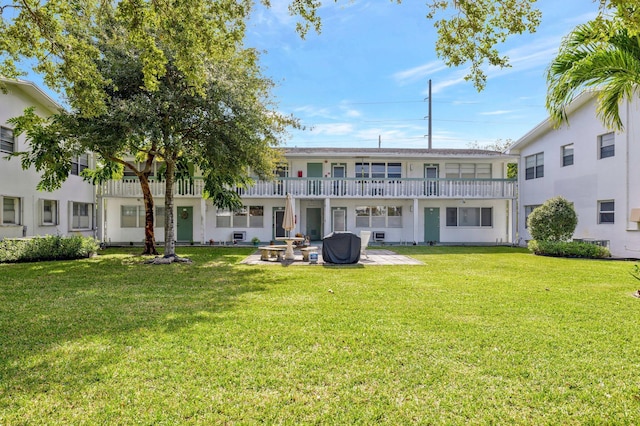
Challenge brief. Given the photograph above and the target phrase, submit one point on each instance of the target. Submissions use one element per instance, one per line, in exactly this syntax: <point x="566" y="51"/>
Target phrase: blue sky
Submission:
<point x="366" y="76"/>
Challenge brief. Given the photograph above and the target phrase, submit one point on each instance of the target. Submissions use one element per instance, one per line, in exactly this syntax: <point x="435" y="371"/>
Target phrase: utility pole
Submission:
<point x="430" y="146"/>
<point x="429" y="116"/>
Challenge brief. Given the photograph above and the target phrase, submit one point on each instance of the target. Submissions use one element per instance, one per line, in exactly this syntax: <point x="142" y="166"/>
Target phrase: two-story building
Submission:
<point x="401" y="195"/>
<point x="590" y="165"/>
<point x="25" y="211"/>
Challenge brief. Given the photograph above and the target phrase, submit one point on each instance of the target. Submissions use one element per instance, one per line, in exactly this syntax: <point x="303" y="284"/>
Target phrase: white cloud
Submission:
<point x="334" y="129"/>
<point x="311" y="111"/>
<point x="418" y="73"/>
<point x="499" y="112"/>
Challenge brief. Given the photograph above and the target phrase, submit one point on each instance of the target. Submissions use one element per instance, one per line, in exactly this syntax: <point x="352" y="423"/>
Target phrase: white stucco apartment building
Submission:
<point x="401" y="195"/>
<point x="24" y="210"/>
<point x="593" y="167"/>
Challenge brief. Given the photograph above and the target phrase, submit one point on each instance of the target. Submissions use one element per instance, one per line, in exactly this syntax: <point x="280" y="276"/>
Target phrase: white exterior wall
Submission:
<point x="590" y="179"/>
<point x="412" y="230"/>
<point x="16" y="182"/>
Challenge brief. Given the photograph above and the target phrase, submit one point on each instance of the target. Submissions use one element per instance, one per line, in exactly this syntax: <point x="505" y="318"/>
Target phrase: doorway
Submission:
<point x="339" y="216"/>
<point x="184" y="223"/>
<point x="314" y="170"/>
<point x="278" y="219"/>
<point x="339" y="172"/>
<point x="314" y="223"/>
<point x="432" y="224"/>
<point x="431" y="182"/>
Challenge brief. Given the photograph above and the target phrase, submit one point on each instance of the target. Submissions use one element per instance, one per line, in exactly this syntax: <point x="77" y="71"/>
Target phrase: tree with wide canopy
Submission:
<point x="52" y="35"/>
<point x="224" y="130"/>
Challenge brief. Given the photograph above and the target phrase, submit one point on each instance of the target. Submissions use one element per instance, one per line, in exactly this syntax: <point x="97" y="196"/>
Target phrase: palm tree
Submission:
<point x="600" y="55"/>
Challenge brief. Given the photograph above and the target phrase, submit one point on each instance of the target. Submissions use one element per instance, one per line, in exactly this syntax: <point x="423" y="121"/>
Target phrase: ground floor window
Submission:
<point x="135" y="217"/>
<point x="81" y="215"/>
<point x="159" y="217"/>
<point x="379" y="217"/>
<point x="10" y="210"/>
<point x="527" y="212"/>
<point x="470" y="216"/>
<point x="606" y="211"/>
<point x="49" y="212"/>
<point x="245" y="217"/>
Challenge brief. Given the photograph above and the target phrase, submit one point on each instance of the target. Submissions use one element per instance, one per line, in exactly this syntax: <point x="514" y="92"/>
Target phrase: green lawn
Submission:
<point x="473" y="336"/>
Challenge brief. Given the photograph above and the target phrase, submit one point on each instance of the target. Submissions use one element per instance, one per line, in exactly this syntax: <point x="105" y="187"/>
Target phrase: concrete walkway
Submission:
<point x="376" y="257"/>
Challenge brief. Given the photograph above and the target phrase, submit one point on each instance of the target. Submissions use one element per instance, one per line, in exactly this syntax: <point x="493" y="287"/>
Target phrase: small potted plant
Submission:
<point x="255" y="241"/>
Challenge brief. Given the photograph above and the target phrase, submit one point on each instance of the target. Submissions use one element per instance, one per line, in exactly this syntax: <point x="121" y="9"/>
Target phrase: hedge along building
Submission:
<point x="26" y="211"/>
<point x="406" y="196"/>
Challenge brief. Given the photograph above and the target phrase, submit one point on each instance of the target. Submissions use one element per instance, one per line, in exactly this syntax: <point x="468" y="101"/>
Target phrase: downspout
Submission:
<point x="627" y="205"/>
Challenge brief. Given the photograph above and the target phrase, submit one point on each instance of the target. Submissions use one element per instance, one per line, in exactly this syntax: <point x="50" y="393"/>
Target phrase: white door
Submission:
<point x="339" y="220"/>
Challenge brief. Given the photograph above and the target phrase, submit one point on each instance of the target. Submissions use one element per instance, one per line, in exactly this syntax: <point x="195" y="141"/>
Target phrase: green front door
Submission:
<point x="184" y="223"/>
<point x="314" y="223"/>
<point x="314" y="170"/>
<point x="432" y="224"/>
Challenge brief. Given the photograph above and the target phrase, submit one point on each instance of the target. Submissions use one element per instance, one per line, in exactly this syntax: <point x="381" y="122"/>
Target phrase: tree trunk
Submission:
<point x="169" y="239"/>
<point x="149" y="237"/>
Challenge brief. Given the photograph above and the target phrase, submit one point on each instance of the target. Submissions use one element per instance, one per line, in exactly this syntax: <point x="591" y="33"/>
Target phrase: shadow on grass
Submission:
<point x="63" y="322"/>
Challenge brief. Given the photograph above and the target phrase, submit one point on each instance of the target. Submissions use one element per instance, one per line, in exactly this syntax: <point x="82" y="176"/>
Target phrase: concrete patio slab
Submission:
<point x="375" y="257"/>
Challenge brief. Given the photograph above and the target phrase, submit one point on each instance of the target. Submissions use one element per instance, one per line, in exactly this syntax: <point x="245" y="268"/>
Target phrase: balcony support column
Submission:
<point x="416" y="218"/>
<point x="327" y="216"/>
<point x="203" y="220"/>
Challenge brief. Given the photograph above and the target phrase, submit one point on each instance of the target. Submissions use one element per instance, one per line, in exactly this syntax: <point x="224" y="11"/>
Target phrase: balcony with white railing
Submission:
<point x="130" y="188"/>
<point x="333" y="188"/>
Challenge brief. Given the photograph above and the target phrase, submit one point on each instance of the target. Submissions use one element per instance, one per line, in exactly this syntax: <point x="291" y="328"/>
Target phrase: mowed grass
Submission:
<point x="473" y="336"/>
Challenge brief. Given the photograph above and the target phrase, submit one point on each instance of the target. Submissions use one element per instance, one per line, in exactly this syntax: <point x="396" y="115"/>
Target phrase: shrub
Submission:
<point x="50" y="247"/>
<point x="568" y="249"/>
<point x="555" y="220"/>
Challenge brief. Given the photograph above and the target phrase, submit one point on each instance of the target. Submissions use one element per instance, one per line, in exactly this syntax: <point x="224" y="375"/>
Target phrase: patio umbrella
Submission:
<point x="288" y="221"/>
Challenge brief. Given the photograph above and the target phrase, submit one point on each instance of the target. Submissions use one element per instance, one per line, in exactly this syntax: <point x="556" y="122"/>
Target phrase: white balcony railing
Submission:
<point x="130" y="187"/>
<point x="334" y="188"/>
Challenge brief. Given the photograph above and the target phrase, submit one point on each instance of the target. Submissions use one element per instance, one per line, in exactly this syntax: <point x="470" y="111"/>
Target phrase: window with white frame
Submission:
<point x="159" y="217"/>
<point x="606" y="145"/>
<point x="470" y="216"/>
<point x="379" y="216"/>
<point x="79" y="163"/>
<point x="527" y="212"/>
<point x="282" y="170"/>
<point x="128" y="173"/>
<point x="49" y="212"/>
<point x="81" y="215"/>
<point x="606" y="211"/>
<point x="136" y="217"/>
<point x="378" y="170"/>
<point x="10" y="210"/>
<point x="245" y="217"/>
<point x="7" y="140"/>
<point x="132" y="216"/>
<point x="467" y="170"/>
<point x="534" y="166"/>
<point x="567" y="155"/>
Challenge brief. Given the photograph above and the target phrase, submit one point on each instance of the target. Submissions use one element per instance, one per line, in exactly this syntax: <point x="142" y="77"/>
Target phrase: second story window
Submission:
<point x="79" y="163"/>
<point x="379" y="170"/>
<point x="7" y="141"/>
<point x="534" y="166"/>
<point x="567" y="155"/>
<point x="606" y="144"/>
<point x="467" y="171"/>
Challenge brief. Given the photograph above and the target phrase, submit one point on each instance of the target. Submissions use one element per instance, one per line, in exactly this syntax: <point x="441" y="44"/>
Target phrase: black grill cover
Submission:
<point x="342" y="248"/>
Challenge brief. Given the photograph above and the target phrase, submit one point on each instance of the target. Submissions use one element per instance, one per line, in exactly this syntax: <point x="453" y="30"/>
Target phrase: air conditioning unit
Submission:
<point x="378" y="236"/>
<point x="239" y="235"/>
